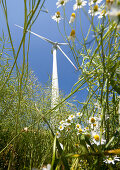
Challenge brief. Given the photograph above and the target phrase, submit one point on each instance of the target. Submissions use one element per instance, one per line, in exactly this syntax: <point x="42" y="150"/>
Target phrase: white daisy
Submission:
<point x="94" y="10"/>
<point x="57" y="134"/>
<point x="93" y="119"/>
<point x="57" y="17"/>
<point x="61" y="127"/>
<point x="72" y="18"/>
<point x="78" y="126"/>
<point x="96" y="138"/>
<point x="80" y="131"/>
<point x="79" y="4"/>
<point x="110" y="160"/>
<point x="61" y="122"/>
<point x="92" y="2"/>
<point x="78" y="114"/>
<point x="72" y="36"/>
<point x="109" y="3"/>
<point x="114" y="14"/>
<point x="71" y="117"/>
<point x="61" y="3"/>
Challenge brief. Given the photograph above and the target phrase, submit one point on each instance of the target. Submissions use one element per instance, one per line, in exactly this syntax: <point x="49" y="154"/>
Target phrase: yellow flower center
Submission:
<point x="71" y="116"/>
<point x="109" y="1"/>
<point x="79" y="2"/>
<point x="95" y="8"/>
<point x="96" y="137"/>
<point x="58" y="14"/>
<point x="110" y="159"/>
<point x="60" y="127"/>
<point x="62" y="2"/>
<point x="87" y="128"/>
<point x="73" y="15"/>
<point x="77" y="126"/>
<point x="68" y="129"/>
<point x="94" y="124"/>
<point x="80" y="130"/>
<point x="57" y="134"/>
<point x="94" y="1"/>
<point x="68" y="120"/>
<point x="92" y="120"/>
<point x="72" y="33"/>
<point x="76" y="145"/>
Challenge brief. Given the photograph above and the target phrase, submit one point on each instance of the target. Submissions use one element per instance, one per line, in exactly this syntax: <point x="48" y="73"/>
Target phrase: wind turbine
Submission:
<point x="55" y="46"/>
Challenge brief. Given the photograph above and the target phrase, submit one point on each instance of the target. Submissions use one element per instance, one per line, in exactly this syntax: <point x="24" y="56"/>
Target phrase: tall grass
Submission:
<point x="28" y="125"/>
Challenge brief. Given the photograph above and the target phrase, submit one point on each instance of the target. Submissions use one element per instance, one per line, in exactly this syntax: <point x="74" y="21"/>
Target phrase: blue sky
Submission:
<point x="40" y="56"/>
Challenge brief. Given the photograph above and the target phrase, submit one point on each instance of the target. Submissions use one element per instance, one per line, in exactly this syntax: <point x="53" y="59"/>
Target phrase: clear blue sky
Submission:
<point x="40" y="56"/>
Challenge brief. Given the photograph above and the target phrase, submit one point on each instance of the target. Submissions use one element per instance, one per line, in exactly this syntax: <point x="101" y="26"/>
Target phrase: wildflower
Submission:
<point x="61" y="127"/>
<point x="72" y="18"/>
<point x="61" y="122"/>
<point x="109" y="2"/>
<point x="115" y="14"/>
<point x="92" y="120"/>
<point x="57" y="17"/>
<point x="76" y="145"/>
<point x="68" y="122"/>
<point x="78" y="114"/>
<point x="25" y="129"/>
<point x="57" y="134"/>
<point x="112" y="160"/>
<point x="68" y="129"/>
<point x="72" y="36"/>
<point x="78" y="126"/>
<point x="80" y="131"/>
<point x="93" y="2"/>
<point x="71" y="117"/>
<point x="95" y="10"/>
<point x="96" y="138"/>
<point x="109" y="161"/>
<point x="79" y="4"/>
<point x="61" y="3"/>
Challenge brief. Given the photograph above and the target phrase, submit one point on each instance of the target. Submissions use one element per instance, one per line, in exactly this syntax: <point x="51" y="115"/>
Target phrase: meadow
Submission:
<point x="73" y="135"/>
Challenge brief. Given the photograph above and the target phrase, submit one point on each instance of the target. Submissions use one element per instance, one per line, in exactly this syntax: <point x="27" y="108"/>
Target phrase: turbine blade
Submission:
<point x="66" y="56"/>
<point x="62" y="43"/>
<point x="43" y="38"/>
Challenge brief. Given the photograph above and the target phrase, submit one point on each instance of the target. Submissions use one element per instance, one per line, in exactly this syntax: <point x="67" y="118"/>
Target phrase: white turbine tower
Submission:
<point x="55" y="88"/>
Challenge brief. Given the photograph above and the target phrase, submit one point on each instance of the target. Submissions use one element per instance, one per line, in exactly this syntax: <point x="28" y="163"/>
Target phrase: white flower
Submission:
<point x="109" y="3"/>
<point x="72" y="18"/>
<point x="61" y="127"/>
<point x="71" y="117"/>
<point x="57" y="134"/>
<point x="103" y="13"/>
<point x="79" y="4"/>
<point x="25" y="129"/>
<point x="80" y="131"/>
<point x="95" y="10"/>
<point x="92" y="120"/>
<point x="78" y="126"/>
<point x="78" y="114"/>
<point x="110" y="160"/>
<point x="61" y="122"/>
<point x="61" y="2"/>
<point x="57" y="17"/>
<point x="48" y="166"/>
<point x="92" y="2"/>
<point x="96" y="138"/>
<point x="72" y="36"/>
<point x="114" y="13"/>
